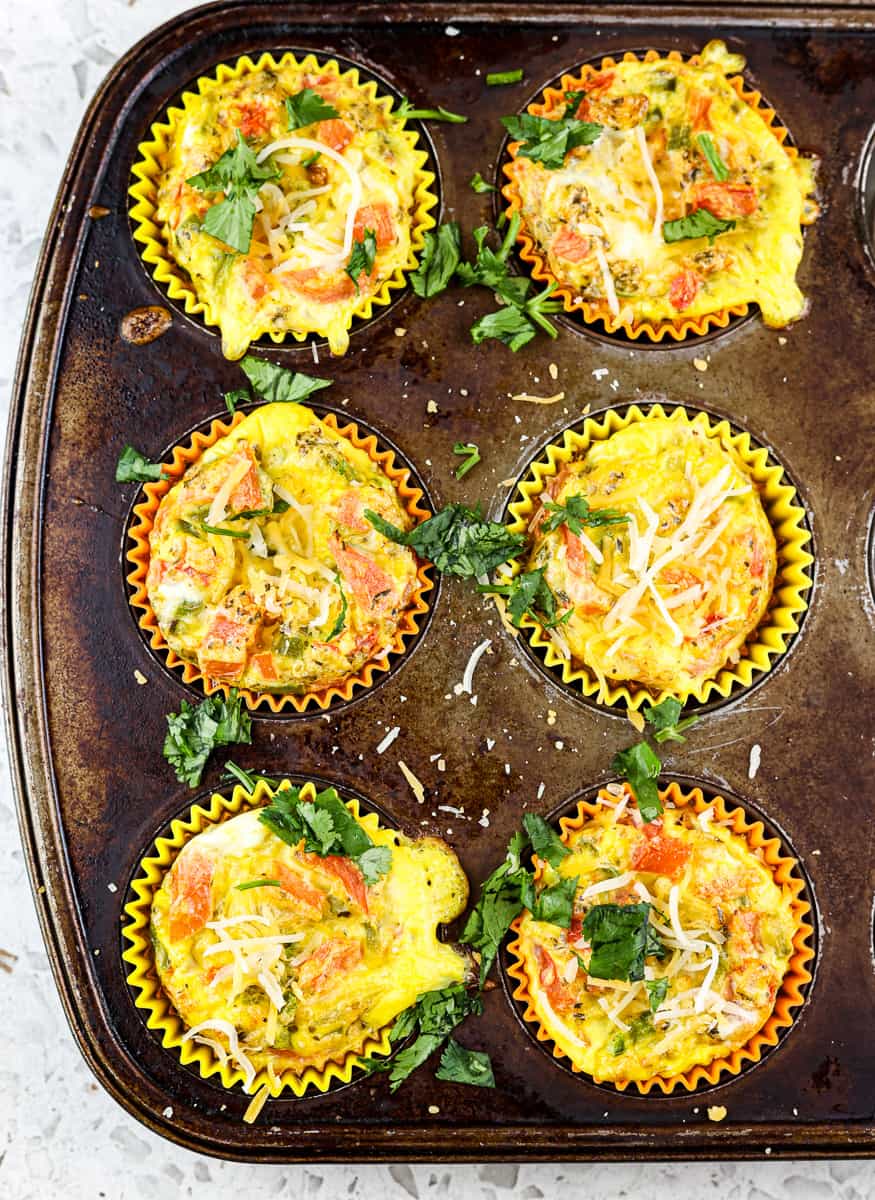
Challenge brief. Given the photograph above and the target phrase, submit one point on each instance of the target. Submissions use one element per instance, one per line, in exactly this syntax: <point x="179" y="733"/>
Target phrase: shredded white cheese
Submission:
<point x="415" y="785"/>
<point x="476" y="654"/>
<point x="388" y="739"/>
<point x="654" y="182"/>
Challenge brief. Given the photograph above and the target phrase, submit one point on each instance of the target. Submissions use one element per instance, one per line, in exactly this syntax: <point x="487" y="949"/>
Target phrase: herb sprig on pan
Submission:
<point x="478" y="184"/>
<point x="134" y="467"/>
<point x="274" y="384"/>
<point x="198" y="729"/>
<point x="239" y="176"/>
<point x="500" y="78"/>
<point x="529" y="593"/>
<point x="406" y="110"/>
<point x="471" y="454"/>
<point x="433" y="1017"/>
<point x="456" y="539"/>
<point x="438" y="261"/>
<point x="640" y="764"/>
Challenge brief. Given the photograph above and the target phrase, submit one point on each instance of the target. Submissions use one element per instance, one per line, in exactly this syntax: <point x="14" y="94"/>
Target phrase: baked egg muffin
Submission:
<point x="679" y="940"/>
<point x="288" y="193"/>
<point x="263" y="569"/>
<point x="285" y="960"/>
<point x="681" y="201"/>
<point x="669" y="565"/>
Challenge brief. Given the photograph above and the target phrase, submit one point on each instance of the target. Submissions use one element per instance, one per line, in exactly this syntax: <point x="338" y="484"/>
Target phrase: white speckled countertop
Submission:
<point x="60" y="1135"/>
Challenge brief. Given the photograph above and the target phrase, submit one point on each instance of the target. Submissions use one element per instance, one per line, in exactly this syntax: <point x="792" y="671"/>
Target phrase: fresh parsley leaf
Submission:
<point x="701" y="223"/>
<point x="719" y="169"/>
<point x="664" y="719"/>
<point x="456" y="539"/>
<point x="306" y="107"/>
<point x="435" y="1015"/>
<point x="406" y="110"/>
<point x="339" y="624"/>
<point x="232" y="399"/>
<point x="197" y="729"/>
<point x="405" y="1062"/>
<point x="656" y="992"/>
<point x="576" y="512"/>
<point x="640" y="765"/>
<point x="555" y="904"/>
<point x="238" y="174"/>
<point x="327" y="827"/>
<point x="546" y="842"/>
<point x="361" y="260"/>
<point x="529" y="593"/>
<point x="618" y="935"/>
<point x="273" y="383"/>
<point x="478" y="184"/>
<point x="500" y="902"/>
<point x="374" y="862"/>
<point x="460" y="1065"/>
<point x="440" y="256"/>
<point x="257" y="883"/>
<point x="498" y="78"/>
<point x="516" y="325"/>
<point x="490" y="266"/>
<point x="549" y="141"/>
<point x="134" y="467"/>
<point x="471" y="454"/>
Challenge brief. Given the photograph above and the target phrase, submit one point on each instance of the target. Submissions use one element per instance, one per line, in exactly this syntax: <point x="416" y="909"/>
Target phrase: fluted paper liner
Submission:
<point x="790" y="995"/>
<point x="139" y="552"/>
<point x="786" y="516"/>
<point x="147" y="170"/>
<point x="677" y="328"/>
<point x="143" y="976"/>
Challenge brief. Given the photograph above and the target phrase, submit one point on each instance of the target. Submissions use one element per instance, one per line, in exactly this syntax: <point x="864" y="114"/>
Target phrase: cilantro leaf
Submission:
<point x="134" y="467"/>
<point x="327" y="827"/>
<point x="517" y="324"/>
<point x="576" y="512"/>
<point x="549" y="141"/>
<point x="546" y="842"/>
<point x="196" y="730"/>
<point x="257" y="883"/>
<point x="306" y="107"/>
<point x="500" y="902"/>
<point x="238" y="174"/>
<point x="656" y="992"/>
<point x="701" y="223"/>
<point x="406" y="110"/>
<point x="460" y="1065"/>
<point x="361" y="260"/>
<point x="640" y="765"/>
<point x="664" y="719"/>
<point x="239" y="396"/>
<point x="719" y="169"/>
<point x="374" y="862"/>
<point x="529" y="593"/>
<point x="618" y="935"/>
<point x="273" y="383"/>
<point x="440" y="256"/>
<point x="472" y="457"/>
<point x="435" y="1015"/>
<point x="478" y="184"/>
<point x="490" y="266"/>
<point x="555" y="904"/>
<point x="456" y="539"/>
<point x="497" y="78"/>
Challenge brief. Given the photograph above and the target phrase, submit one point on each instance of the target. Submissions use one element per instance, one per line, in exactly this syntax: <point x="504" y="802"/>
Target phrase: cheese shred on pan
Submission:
<point x="264" y="571"/>
<point x="677" y="141"/>
<point x="709" y="978"/>
<point x="668" y="596"/>
<point x="308" y="967"/>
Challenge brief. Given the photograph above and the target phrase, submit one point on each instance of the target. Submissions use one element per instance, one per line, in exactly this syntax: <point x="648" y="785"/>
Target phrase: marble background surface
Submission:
<point x="60" y="1135"/>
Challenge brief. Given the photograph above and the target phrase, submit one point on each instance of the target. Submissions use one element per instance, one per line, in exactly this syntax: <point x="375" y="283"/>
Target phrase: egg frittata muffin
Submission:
<point x="681" y="934"/>
<point x="676" y="198"/>
<point x="659" y="554"/>
<point x="264" y="571"/>
<point x="290" y="195"/>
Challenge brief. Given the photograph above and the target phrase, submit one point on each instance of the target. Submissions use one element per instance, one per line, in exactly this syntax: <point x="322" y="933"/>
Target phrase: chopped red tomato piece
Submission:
<point x="316" y="285"/>
<point x="332" y="957"/>
<point x="700" y="108"/>
<point x="571" y="246"/>
<point x="308" y="897"/>
<point x="367" y="582"/>
<point x="726" y="200"/>
<point x="191" y="897"/>
<point x="228" y="640"/>
<point x="335" y="133"/>
<point x="684" y="289"/>
<point x="659" y="853"/>
<point x="254" y="121"/>
<point x="377" y="217"/>
<point x="575" y="929"/>
<point x="680" y="577"/>
<point x="558" y="995"/>
<point x="247" y="495"/>
<point x="599" y="83"/>
<point x="347" y="872"/>
<point x="265" y="665"/>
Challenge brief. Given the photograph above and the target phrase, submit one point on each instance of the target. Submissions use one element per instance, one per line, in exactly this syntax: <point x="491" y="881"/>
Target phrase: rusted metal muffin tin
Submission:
<point x="93" y="789"/>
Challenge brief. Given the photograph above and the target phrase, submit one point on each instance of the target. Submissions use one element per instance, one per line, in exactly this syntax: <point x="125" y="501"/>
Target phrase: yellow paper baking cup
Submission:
<point x="148" y="168"/>
<point x="791" y="993"/>
<point x="593" y="312"/>
<point x="139" y="553"/>
<point x="144" y="979"/>
<point x="786" y="516"/>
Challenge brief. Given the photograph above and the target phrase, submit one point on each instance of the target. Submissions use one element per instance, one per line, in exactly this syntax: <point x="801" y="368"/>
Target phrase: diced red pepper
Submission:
<point x="191" y="897"/>
<point x="335" y="133"/>
<point x="308" y="897"/>
<point x="726" y="200"/>
<point x="377" y="217"/>
<point x="367" y="582"/>
<point x="571" y="246"/>
<point x="684" y="288"/>
<point x="659" y="853"/>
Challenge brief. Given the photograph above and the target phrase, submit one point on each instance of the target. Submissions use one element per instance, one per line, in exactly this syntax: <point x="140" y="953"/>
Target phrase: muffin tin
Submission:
<point x="93" y="789"/>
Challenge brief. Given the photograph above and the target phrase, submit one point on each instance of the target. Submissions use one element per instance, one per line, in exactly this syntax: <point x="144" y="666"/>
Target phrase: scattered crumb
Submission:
<point x="431" y="407"/>
<point x="554" y="371"/>
<point x="388" y="739"/>
<point x="442" y="764"/>
<point x="586" y="409"/>
<point x="551" y="716"/>
<point x="541" y="790"/>
<point x="463" y="391"/>
<point x="168" y="1112"/>
<point x="717" y="1112"/>
<point x="140" y="678"/>
<point x="782" y="341"/>
<point x="490" y="742"/>
<point x="768" y="1150"/>
<point x="111" y="888"/>
<point x="700" y="364"/>
<point x="433" y="1109"/>
<point x="484" y="820"/>
<point x="560" y="745"/>
<point x="400" y="331"/>
<point x="754" y="762"/>
<point x="451" y="31"/>
<point x="636" y="719"/>
<point x="600" y="372"/>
